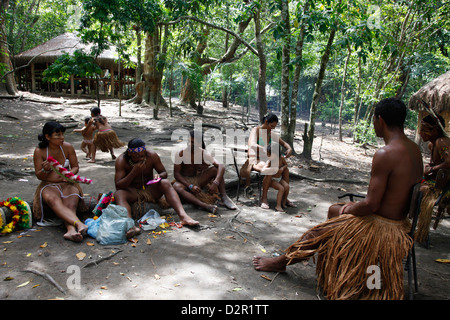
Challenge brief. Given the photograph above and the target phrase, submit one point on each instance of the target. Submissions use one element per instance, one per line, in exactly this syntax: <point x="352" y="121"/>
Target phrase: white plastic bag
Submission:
<point x="150" y="221"/>
<point x="114" y="225"/>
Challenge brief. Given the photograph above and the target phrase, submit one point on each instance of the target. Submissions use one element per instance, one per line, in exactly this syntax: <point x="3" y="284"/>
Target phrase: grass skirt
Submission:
<point x="143" y="197"/>
<point x="107" y="140"/>
<point x="203" y="196"/>
<point x="347" y="246"/>
<point x="430" y="195"/>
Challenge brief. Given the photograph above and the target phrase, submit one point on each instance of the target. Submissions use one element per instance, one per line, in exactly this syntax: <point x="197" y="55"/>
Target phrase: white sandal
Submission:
<point x="50" y="222"/>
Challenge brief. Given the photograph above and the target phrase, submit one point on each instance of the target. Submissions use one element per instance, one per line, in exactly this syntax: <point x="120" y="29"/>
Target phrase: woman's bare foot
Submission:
<point x="73" y="235"/>
<point x="279" y="209"/>
<point x="81" y="228"/>
<point x="91" y="161"/>
<point x="290" y="204"/>
<point x="265" y="205"/>
<point x="276" y="264"/>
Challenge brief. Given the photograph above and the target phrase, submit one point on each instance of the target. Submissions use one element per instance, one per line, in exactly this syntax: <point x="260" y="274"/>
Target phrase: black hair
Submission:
<point x="136" y="143"/>
<point x="95" y="111"/>
<point x="86" y="119"/>
<point x="270" y="118"/>
<point x="133" y="143"/>
<point x="192" y="134"/>
<point x="392" y="110"/>
<point x="430" y="119"/>
<point x="49" y="128"/>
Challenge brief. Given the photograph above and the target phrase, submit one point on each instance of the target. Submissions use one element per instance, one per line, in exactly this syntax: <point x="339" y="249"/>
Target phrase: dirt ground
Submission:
<point x="211" y="263"/>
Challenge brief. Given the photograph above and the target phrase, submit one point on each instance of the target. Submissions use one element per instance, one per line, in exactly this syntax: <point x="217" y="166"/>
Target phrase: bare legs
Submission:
<point x="204" y="179"/>
<point x="278" y="264"/>
<point x="281" y="186"/>
<point x="125" y="197"/>
<point x="65" y="209"/>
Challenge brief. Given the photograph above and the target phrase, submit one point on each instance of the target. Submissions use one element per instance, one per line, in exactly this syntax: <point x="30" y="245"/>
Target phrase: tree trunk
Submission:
<point x="188" y="93"/>
<point x="285" y="81"/>
<point x="289" y="137"/>
<point x="152" y="75"/>
<point x="138" y="54"/>
<point x="341" y="107"/>
<point x="309" y="136"/>
<point x="7" y="83"/>
<point x="262" y="98"/>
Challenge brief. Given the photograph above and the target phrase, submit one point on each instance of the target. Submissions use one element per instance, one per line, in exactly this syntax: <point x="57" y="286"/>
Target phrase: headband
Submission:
<point x="138" y="149"/>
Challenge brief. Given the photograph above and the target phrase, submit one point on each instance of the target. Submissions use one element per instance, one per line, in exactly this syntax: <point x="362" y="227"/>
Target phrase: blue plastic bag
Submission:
<point x="113" y="226"/>
<point x="92" y="226"/>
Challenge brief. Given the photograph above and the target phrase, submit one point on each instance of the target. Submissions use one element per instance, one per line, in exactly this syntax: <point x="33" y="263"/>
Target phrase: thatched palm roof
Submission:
<point x="49" y="51"/>
<point x="435" y="93"/>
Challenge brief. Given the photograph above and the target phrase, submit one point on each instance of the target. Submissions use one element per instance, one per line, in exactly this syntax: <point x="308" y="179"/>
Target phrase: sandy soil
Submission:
<point x="212" y="263"/>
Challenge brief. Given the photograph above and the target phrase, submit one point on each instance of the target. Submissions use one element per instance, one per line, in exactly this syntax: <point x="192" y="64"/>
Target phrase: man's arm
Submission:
<point x="381" y="168"/>
<point x="443" y="147"/>
<point x="158" y="166"/>
<point x="122" y="179"/>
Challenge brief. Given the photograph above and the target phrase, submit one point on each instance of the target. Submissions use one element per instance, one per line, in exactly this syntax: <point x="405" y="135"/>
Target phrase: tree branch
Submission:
<point x="234" y="34"/>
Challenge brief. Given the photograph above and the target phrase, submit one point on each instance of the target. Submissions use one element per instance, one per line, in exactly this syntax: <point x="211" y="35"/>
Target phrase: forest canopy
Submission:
<point x="328" y="60"/>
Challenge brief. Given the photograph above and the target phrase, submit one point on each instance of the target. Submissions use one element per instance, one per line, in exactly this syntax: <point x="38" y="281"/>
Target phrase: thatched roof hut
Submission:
<point x="436" y="94"/>
<point x="68" y="42"/>
<point x="41" y="56"/>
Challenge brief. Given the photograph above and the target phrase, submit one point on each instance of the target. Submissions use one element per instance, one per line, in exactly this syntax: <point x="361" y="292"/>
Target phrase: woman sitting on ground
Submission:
<point x="59" y="195"/>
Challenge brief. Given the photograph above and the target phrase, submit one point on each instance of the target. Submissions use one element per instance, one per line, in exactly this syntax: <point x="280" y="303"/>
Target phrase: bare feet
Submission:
<point x="134" y="231"/>
<point x="265" y="205"/>
<point x="73" y="235"/>
<point x="188" y="221"/>
<point x="91" y="161"/>
<point x="81" y="228"/>
<point x="276" y="264"/>
<point x="279" y="209"/>
<point x="290" y="204"/>
<point x="228" y="203"/>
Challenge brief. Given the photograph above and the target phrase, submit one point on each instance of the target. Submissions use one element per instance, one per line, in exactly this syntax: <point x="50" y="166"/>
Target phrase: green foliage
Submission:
<point x="364" y="133"/>
<point x="371" y="29"/>
<point x="79" y="65"/>
<point x="194" y="73"/>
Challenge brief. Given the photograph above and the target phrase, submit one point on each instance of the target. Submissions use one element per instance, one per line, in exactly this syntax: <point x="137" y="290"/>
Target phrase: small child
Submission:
<point x="106" y="138"/>
<point x="87" y="145"/>
<point x="278" y="167"/>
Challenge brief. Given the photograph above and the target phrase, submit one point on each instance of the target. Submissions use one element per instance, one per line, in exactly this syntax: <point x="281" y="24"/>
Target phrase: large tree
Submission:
<point x="7" y="82"/>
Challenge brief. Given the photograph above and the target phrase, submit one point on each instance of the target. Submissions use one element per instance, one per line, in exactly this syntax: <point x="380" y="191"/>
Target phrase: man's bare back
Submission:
<point x="401" y="157"/>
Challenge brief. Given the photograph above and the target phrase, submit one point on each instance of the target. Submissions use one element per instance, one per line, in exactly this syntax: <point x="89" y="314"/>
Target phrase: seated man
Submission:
<point x="192" y="177"/>
<point x="439" y="145"/>
<point x="134" y="168"/>
<point x="372" y="232"/>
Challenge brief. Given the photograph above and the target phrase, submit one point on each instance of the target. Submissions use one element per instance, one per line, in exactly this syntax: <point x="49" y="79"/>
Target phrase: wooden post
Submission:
<point x="72" y="85"/>
<point x="33" y="79"/>
<point x="112" y="81"/>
